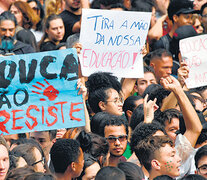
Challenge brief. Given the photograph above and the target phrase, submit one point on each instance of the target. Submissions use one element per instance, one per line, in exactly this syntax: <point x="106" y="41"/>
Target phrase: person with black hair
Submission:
<point x="148" y="79"/>
<point x="95" y="145"/>
<point x="8" y="44"/>
<point x="193" y="177"/>
<point x="170" y="120"/>
<point x="104" y="93"/>
<point x="156" y="91"/>
<point x="67" y="158"/>
<point x="110" y="173"/>
<point x="115" y="130"/>
<point x="97" y="120"/>
<point x="137" y="117"/>
<point x="201" y="161"/>
<point x="186" y="141"/>
<point x="130" y="104"/>
<point x="202" y="139"/>
<point x="39" y="176"/>
<point x="142" y="131"/>
<point x="158" y="155"/>
<point x="180" y="13"/>
<point x="163" y="177"/>
<point x="131" y="170"/>
<point x="90" y="168"/>
<point x="161" y="61"/>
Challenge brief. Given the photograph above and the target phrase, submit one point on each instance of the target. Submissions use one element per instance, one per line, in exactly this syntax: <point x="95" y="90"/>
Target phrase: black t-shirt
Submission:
<point x="48" y="46"/>
<point x="69" y="19"/>
<point x="162" y="43"/>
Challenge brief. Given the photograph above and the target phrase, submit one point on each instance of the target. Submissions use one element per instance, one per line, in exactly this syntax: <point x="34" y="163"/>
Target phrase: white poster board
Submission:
<point x="112" y="42"/>
<point x="194" y="51"/>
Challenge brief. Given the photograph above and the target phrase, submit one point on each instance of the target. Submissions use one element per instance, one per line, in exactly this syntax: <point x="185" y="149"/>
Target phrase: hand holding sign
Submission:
<point x="195" y="49"/>
<point x="112" y="42"/>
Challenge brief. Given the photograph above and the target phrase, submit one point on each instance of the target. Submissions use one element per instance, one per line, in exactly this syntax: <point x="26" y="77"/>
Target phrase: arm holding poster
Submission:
<point x="83" y="91"/>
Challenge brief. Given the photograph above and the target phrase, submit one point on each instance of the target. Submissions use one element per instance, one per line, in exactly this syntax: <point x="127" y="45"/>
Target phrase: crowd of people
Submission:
<point x="147" y="128"/>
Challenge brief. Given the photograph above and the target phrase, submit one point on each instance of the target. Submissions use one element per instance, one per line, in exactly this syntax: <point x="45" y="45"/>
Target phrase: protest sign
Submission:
<point x="112" y="42"/>
<point x="38" y="92"/>
<point x="193" y="51"/>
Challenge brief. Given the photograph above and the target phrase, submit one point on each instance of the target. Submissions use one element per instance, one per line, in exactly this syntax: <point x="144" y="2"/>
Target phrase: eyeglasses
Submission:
<point x="112" y="139"/>
<point x="42" y="161"/>
<point x="203" y="169"/>
<point x="117" y="100"/>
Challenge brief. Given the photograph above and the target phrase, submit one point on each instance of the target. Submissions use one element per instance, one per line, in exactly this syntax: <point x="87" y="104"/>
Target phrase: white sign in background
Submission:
<point x="194" y="51"/>
<point x="112" y="42"/>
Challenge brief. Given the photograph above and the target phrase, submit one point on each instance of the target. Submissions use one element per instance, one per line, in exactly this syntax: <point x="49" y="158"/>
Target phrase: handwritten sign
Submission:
<point x="112" y="42"/>
<point x="194" y="51"/>
<point x="38" y="92"/>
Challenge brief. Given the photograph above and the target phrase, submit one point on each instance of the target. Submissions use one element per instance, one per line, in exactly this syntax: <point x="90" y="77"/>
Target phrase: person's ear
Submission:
<point x="175" y="18"/>
<point x="102" y="105"/>
<point x="129" y="113"/>
<point x="155" y="164"/>
<point x="196" y="172"/>
<point x="136" y="87"/>
<point x="46" y="30"/>
<point x="72" y="165"/>
<point x="152" y="64"/>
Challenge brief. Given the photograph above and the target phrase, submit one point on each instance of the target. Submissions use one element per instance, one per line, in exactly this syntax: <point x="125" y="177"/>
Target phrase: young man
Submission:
<point x="143" y="83"/>
<point x="158" y="155"/>
<point x="67" y="158"/>
<point x="115" y="130"/>
<point x="201" y="161"/>
<point x="71" y="16"/>
<point x="161" y="61"/>
<point x="170" y="120"/>
<point x="180" y="13"/>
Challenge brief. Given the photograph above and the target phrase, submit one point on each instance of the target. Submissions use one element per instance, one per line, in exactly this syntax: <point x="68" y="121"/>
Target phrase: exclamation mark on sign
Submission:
<point x="134" y="58"/>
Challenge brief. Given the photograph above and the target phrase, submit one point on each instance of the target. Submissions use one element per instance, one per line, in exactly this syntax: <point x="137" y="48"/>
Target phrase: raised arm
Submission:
<point x="192" y="121"/>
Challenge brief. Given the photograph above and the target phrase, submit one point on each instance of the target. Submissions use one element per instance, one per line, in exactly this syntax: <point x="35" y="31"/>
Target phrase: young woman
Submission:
<point x="54" y="32"/>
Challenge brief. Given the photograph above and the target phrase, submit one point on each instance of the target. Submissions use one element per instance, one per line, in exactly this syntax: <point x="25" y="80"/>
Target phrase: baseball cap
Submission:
<point x="177" y="7"/>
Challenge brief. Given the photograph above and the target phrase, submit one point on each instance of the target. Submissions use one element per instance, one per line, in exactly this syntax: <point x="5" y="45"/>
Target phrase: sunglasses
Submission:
<point x="112" y="139"/>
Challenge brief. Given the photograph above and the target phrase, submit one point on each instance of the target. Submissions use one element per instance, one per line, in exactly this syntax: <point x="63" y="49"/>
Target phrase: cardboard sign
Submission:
<point x="38" y="92"/>
<point x="194" y="51"/>
<point x="112" y="42"/>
